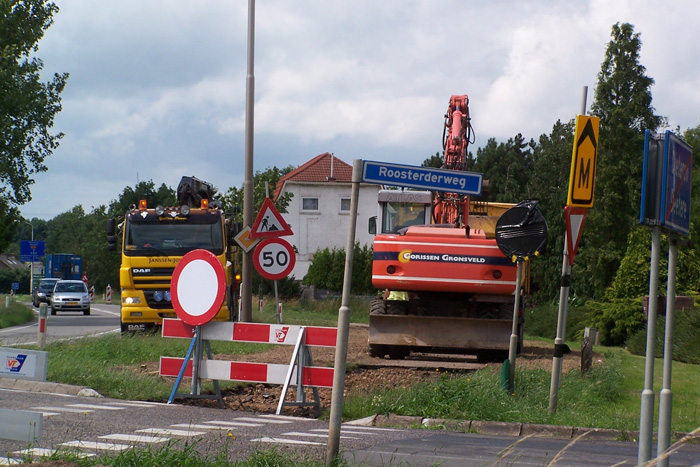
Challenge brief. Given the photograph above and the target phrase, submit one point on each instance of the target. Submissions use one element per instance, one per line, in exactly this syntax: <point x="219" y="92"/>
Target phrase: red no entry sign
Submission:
<point x="198" y="287"/>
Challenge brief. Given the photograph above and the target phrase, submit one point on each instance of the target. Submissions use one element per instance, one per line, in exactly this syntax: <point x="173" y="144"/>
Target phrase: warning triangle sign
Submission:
<point x="575" y="218"/>
<point x="269" y="222"/>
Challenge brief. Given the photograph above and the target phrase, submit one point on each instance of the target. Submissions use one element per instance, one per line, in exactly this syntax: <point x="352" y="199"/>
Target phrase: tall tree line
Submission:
<point x="517" y="169"/>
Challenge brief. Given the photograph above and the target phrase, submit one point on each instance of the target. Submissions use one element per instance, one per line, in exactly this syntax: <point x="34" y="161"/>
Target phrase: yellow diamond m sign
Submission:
<point x="583" y="162"/>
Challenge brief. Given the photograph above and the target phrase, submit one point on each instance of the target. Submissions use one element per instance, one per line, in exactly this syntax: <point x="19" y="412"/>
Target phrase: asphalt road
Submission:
<point x="98" y="424"/>
<point x="103" y="318"/>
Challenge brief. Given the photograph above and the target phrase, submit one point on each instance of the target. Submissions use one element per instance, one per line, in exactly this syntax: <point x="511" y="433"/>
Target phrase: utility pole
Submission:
<point x="248" y="205"/>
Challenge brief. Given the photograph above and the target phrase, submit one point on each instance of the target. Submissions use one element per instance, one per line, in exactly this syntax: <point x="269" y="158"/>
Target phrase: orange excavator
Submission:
<point x="447" y="285"/>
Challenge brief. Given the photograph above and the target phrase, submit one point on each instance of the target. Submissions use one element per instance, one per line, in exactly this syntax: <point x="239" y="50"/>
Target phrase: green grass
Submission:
<point x="191" y="454"/>
<point x="608" y="397"/>
<point x="117" y="366"/>
<point x="17" y="313"/>
<point x="312" y="313"/>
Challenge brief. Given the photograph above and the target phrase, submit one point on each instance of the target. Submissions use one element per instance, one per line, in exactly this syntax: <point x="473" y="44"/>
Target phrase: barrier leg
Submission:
<point x="182" y="370"/>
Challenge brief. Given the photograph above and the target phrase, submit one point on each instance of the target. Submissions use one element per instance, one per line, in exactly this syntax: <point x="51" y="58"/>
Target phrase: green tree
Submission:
<point x="234" y="196"/>
<point x="548" y="183"/>
<point x="506" y="166"/>
<point x="435" y="161"/>
<point x="27" y="105"/>
<point x="692" y="137"/>
<point x="164" y="196"/>
<point x="623" y="104"/>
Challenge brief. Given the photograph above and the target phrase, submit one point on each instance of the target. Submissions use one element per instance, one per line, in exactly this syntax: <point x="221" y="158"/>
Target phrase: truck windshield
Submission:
<point x="173" y="239"/>
<point x="396" y="216"/>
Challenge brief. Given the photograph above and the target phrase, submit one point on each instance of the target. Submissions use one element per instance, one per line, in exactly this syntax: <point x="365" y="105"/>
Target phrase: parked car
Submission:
<point x="70" y="296"/>
<point x="42" y="292"/>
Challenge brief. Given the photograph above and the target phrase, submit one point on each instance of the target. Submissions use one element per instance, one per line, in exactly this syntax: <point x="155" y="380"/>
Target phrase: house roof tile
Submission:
<point x="321" y="169"/>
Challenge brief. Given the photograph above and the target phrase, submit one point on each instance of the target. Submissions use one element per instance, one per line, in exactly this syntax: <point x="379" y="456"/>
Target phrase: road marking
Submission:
<point x="322" y="435"/>
<point x="10" y="461"/>
<point x="113" y="313"/>
<point x="285" y="441"/>
<point x="138" y="404"/>
<point x="35" y="452"/>
<point x="135" y="438"/>
<point x="44" y="452"/>
<point x="235" y="424"/>
<point x="369" y="428"/>
<point x="96" y="446"/>
<point x="95" y="406"/>
<point x="198" y="427"/>
<point x="286" y="417"/>
<point x="168" y="432"/>
<point x="268" y="420"/>
<point x="46" y="414"/>
<point x="63" y="409"/>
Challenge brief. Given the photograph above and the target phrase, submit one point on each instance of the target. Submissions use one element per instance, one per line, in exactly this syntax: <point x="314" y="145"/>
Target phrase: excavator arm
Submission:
<point x="453" y="208"/>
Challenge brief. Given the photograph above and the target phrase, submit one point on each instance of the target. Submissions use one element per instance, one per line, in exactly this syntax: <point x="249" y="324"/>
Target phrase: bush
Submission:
<point x="686" y="345"/>
<point x="328" y="268"/>
<point x="616" y="320"/>
<point x="287" y="287"/>
<point x="8" y="276"/>
<point x="541" y="321"/>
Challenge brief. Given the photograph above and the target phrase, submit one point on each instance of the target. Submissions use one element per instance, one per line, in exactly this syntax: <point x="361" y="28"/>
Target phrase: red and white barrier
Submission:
<point x="268" y="373"/>
<point x="108" y="294"/>
<point x="285" y="334"/>
<point x="302" y="337"/>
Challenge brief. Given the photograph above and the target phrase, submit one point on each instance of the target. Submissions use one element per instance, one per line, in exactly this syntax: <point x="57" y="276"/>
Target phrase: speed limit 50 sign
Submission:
<point x="274" y="258"/>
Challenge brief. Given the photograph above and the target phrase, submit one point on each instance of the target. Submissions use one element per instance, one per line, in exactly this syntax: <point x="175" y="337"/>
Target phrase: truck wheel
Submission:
<point x="377" y="307"/>
<point x="376" y="350"/>
<point x="86" y="312"/>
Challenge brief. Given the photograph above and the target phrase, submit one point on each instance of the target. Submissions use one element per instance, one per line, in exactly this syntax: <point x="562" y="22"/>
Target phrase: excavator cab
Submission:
<point x="399" y="209"/>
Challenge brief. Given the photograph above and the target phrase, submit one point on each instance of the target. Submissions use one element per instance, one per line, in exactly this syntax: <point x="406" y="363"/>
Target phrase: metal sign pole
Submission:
<point x="196" y="358"/>
<point x="666" y="395"/>
<point x="646" y="416"/>
<point x="513" y="349"/>
<point x="341" y="348"/>
<point x="561" y="330"/>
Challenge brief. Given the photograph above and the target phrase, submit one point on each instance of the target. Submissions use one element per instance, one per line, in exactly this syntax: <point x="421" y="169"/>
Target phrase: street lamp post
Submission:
<point x="31" y="266"/>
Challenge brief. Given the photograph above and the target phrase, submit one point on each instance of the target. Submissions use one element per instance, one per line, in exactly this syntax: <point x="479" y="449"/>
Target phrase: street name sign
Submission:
<point x="666" y="182"/>
<point x="426" y="178"/>
<point x="583" y="162"/>
<point x="676" y="184"/>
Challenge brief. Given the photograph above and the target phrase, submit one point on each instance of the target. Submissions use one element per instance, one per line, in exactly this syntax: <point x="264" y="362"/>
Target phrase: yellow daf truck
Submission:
<point x="155" y="238"/>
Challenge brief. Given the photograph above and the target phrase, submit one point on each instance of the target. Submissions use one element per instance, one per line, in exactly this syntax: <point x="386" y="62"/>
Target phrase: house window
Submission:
<point x="345" y="204"/>
<point x="309" y="204"/>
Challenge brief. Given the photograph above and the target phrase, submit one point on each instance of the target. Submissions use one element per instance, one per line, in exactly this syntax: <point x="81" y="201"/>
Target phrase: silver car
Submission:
<point x="70" y="296"/>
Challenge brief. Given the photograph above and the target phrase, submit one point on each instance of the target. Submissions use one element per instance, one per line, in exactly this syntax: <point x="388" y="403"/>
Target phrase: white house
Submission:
<point x="318" y="213"/>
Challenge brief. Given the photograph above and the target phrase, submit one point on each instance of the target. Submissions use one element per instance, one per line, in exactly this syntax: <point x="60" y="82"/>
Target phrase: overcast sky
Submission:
<point x="157" y="88"/>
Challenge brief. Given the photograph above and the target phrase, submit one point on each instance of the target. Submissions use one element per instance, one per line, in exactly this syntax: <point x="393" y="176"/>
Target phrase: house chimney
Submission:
<point x="331" y="178"/>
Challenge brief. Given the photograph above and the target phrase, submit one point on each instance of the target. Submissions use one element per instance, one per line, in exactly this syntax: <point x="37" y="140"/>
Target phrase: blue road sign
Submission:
<point x="30" y="250"/>
<point x="15" y="286"/>
<point x="676" y="184"/>
<point x="426" y="178"/>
